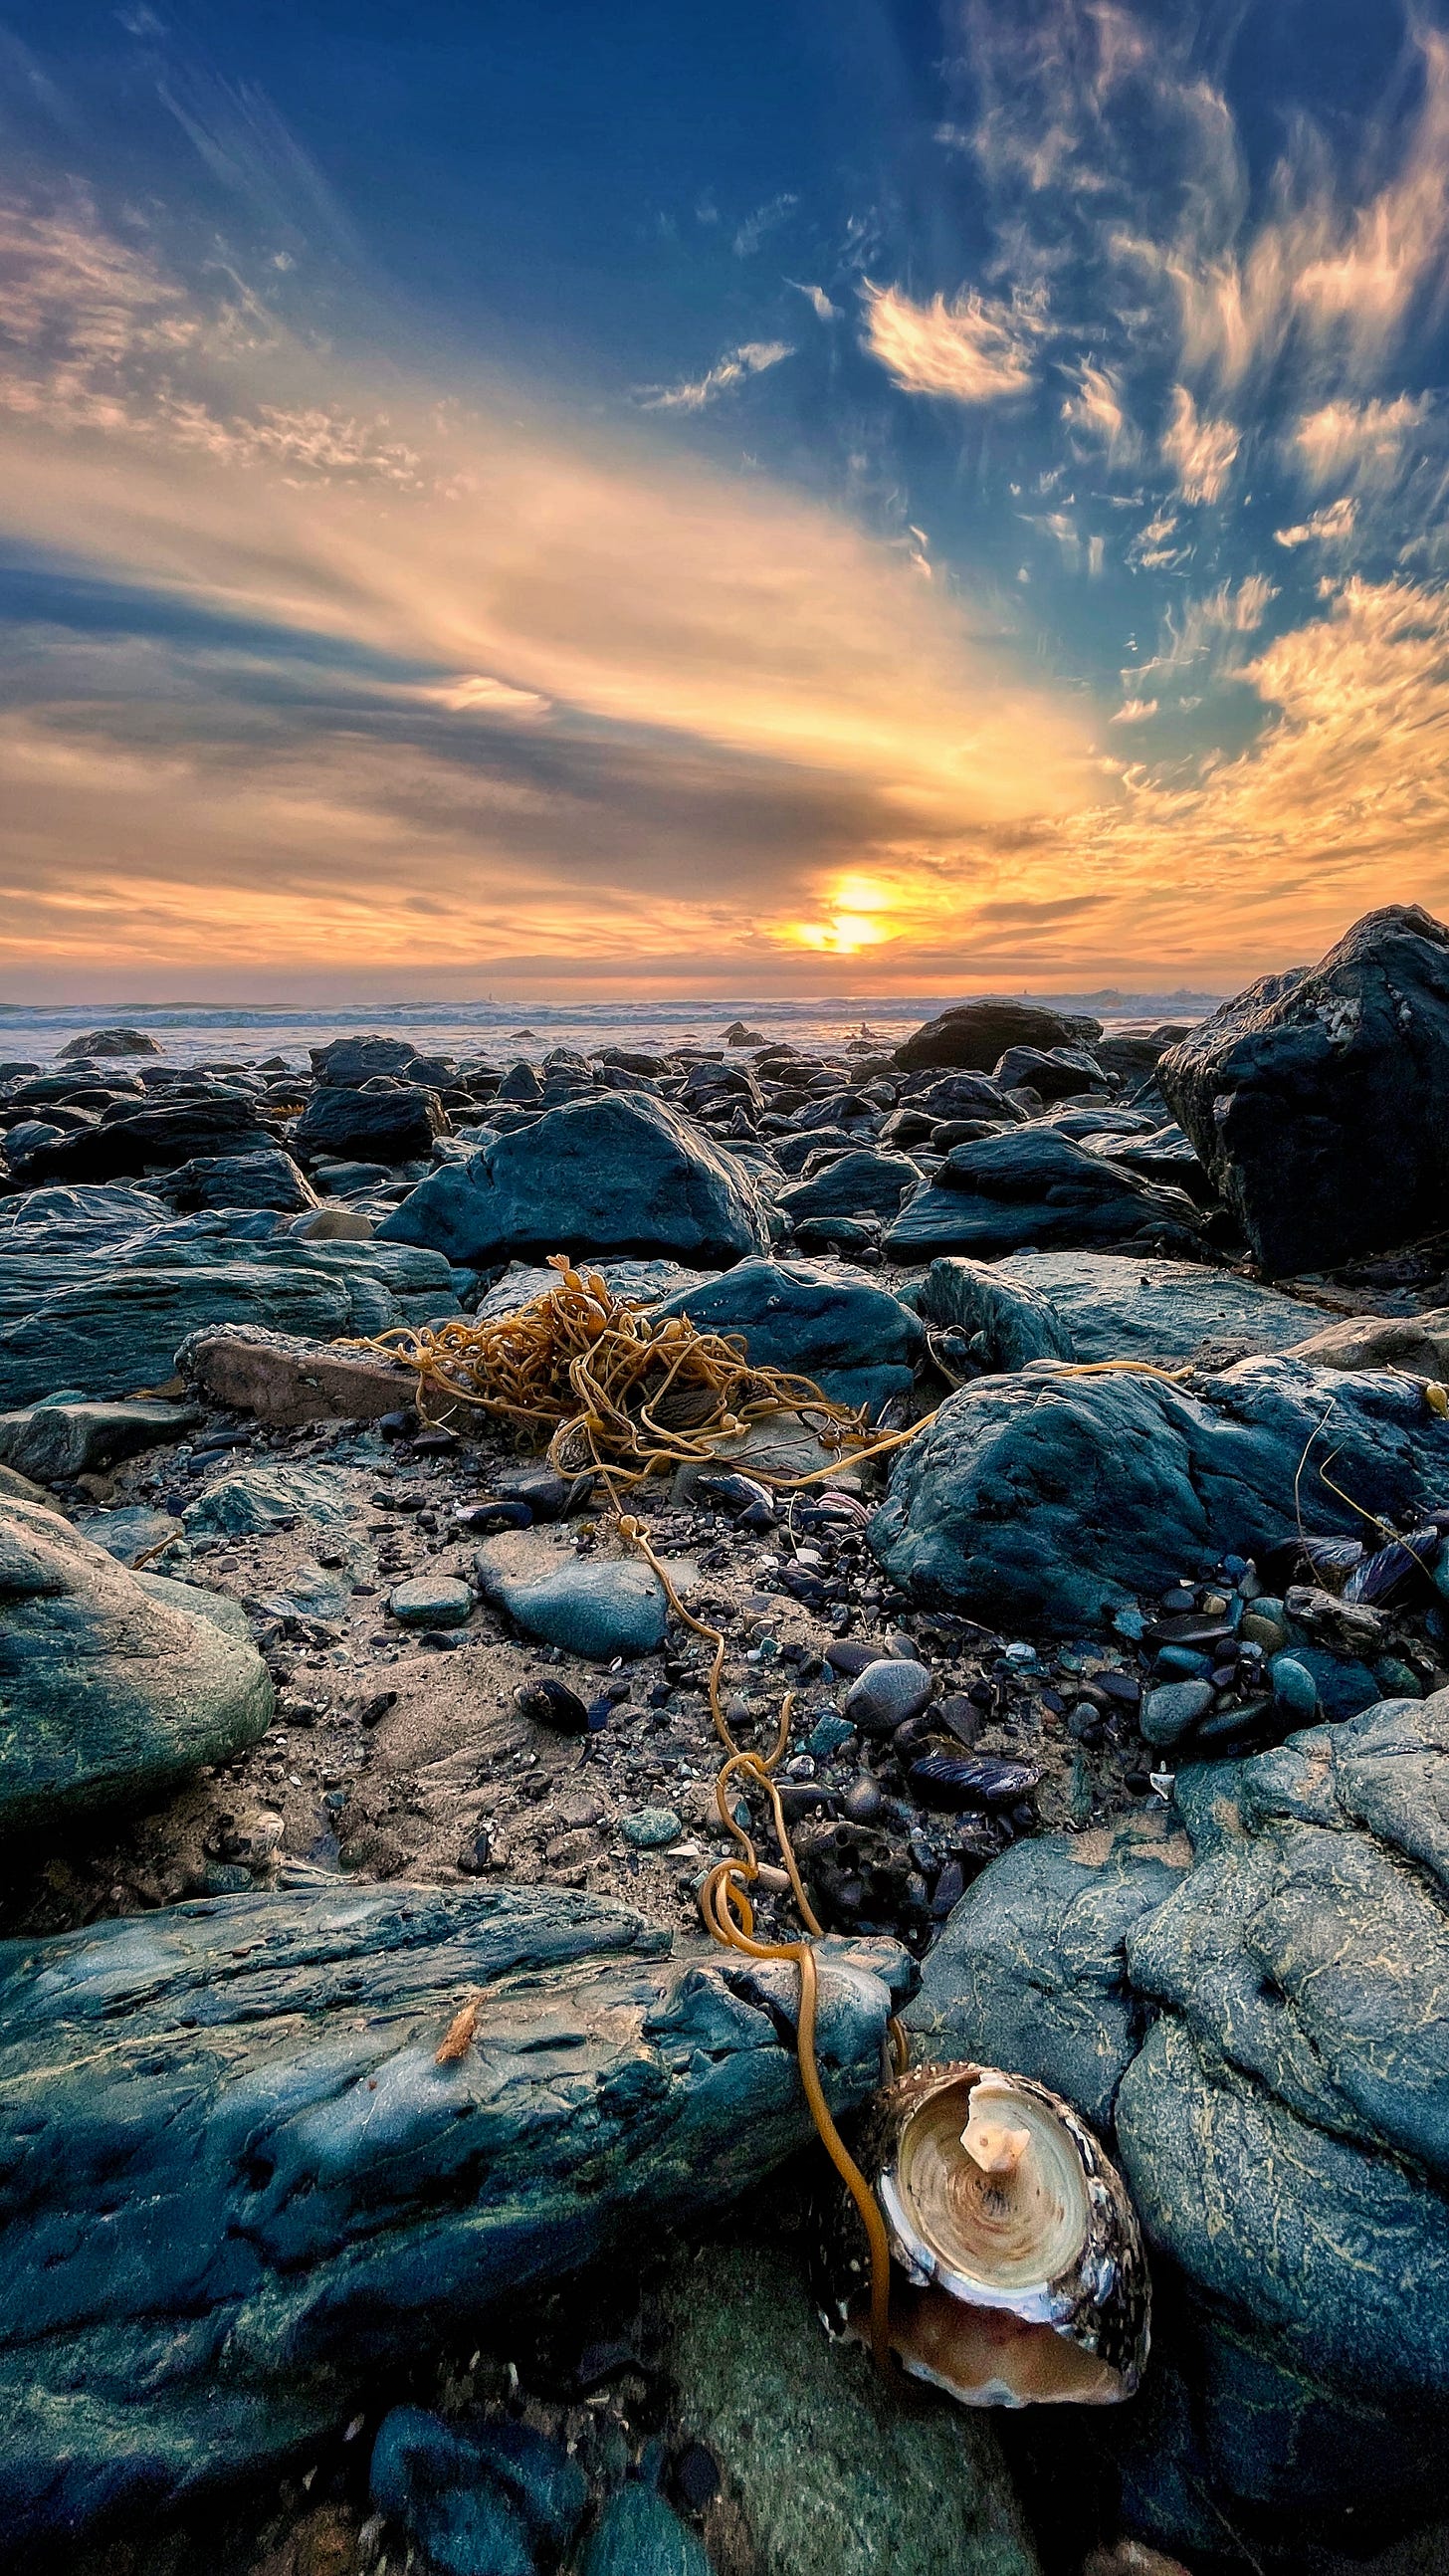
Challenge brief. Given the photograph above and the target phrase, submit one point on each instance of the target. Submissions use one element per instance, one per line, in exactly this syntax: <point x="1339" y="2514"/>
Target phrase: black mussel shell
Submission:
<point x="1325" y="1561"/>
<point x="487" y="1518"/>
<point x="1396" y="1571"/>
<point x="740" y="1494"/>
<point x="554" y="1705"/>
<point x="972" y="1780"/>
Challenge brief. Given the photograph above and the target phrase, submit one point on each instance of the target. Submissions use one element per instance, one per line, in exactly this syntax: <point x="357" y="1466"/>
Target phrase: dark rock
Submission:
<point x="1059" y="1500"/>
<point x="1034" y="1186"/>
<point x="1053" y="1073"/>
<point x="394" y="1126"/>
<point x="856" y="1341"/>
<point x="886" y="1695"/>
<point x="977" y="1034"/>
<point x="869" y="1183"/>
<point x="477" y="2500"/>
<point x="1031" y="1971"/>
<point x="1315" y="1099"/>
<point x="1010" y="1323"/>
<point x="279" y="2197"/>
<point x="266" y="1179"/>
<point x="53" y="1442"/>
<point x="1119" y="1306"/>
<point x="598" y="1607"/>
<point x="149" y="1136"/>
<point x="621" y="1173"/>
<point x="349" y="1062"/>
<point x="552" y="1704"/>
<point x="111" y="1686"/>
<point x="103" y="1042"/>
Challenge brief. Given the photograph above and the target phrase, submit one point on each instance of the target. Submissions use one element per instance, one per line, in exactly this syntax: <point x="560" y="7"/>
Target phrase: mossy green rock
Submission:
<point x="832" y="2474"/>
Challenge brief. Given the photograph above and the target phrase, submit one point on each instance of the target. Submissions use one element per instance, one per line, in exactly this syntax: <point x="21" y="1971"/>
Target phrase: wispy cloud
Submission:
<point x="975" y="349"/>
<point x="817" y="299"/>
<point x="765" y="220"/>
<point x="1134" y="711"/>
<point x="1095" y="413"/>
<point x="1361" y="441"/>
<point x="752" y="358"/>
<point x="1328" y="527"/>
<point x="1201" y="452"/>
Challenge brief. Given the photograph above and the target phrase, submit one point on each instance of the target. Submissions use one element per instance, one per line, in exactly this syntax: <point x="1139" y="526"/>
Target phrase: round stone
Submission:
<point x="649" y="1828"/>
<point x="1294" y="1687"/>
<point x="431" y="1601"/>
<point x="886" y="1695"/>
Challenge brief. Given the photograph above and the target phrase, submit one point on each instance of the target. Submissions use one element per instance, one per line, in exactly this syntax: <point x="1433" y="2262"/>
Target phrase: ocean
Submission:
<point x="199" y="1033"/>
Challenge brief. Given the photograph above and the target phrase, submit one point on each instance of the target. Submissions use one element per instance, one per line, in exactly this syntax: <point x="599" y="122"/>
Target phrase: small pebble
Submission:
<point x="886" y="1695"/>
<point x="1294" y="1687"/>
<point x="650" y="1828"/>
<point x="431" y="1601"/>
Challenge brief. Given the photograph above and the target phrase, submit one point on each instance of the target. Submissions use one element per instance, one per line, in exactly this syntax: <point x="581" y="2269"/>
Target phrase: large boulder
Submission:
<point x="1057" y="1500"/>
<point x="857" y="1341"/>
<point x="1121" y="1306"/>
<point x="106" y="1691"/>
<point x="349" y="1062"/>
<point x="620" y="1173"/>
<point x="1053" y="1073"/>
<point x="1317" y="1100"/>
<point x="1266" y="2030"/>
<point x="395" y="1126"/>
<point x="1035" y="1186"/>
<point x="243" y="2188"/>
<point x="149" y="1137"/>
<point x="978" y="1034"/>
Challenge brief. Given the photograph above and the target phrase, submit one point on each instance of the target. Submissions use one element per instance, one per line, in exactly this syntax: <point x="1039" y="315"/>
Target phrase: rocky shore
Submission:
<point x="1119" y="1758"/>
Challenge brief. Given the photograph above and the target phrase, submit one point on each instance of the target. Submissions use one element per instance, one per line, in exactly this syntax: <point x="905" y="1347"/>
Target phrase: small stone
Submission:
<point x="886" y="1695"/>
<point x="1172" y="1712"/>
<point x="650" y="1828"/>
<point x="1397" y="1680"/>
<point x="1129" y="1623"/>
<point x="828" y="1734"/>
<point x="552" y="1704"/>
<point x="431" y="1601"/>
<point x="863" y="1802"/>
<point x="1294" y="1688"/>
<point x="1184" y="1663"/>
<point x="225" y="1878"/>
<point x="1259" y="1630"/>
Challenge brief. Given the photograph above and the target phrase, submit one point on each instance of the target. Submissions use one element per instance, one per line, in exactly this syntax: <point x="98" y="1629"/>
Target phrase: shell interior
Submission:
<point x="999" y="2236"/>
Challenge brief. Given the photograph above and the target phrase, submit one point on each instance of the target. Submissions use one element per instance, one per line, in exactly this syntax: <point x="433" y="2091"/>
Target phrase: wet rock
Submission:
<point x="598" y="1607"/>
<point x="1034" y="1186"/>
<point x="886" y="1695"/>
<point x="386" y="1126"/>
<point x="1062" y="1500"/>
<point x="1118" y="1306"/>
<point x="1031" y="1971"/>
<point x="299" y="2199"/>
<point x="1053" y="1073"/>
<point x="477" y="2501"/>
<point x="134" y="1530"/>
<point x="266" y="1179"/>
<point x="347" y="1063"/>
<point x="284" y="1378"/>
<point x="109" y="1689"/>
<point x="977" y="1034"/>
<point x="103" y="1042"/>
<point x="148" y="1135"/>
<point x="873" y="1184"/>
<point x="333" y="1225"/>
<point x="431" y="1601"/>
<point x="639" y="2534"/>
<point x="857" y="1342"/>
<point x="1014" y="1324"/>
<point x="1171" y="1713"/>
<point x="823" y="2470"/>
<point x="621" y="1173"/>
<point x="1315" y="1099"/>
<point x="51" y="1442"/>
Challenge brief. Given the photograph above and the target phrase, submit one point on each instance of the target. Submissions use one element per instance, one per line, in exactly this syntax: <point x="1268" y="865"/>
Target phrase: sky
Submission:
<point x="576" y="501"/>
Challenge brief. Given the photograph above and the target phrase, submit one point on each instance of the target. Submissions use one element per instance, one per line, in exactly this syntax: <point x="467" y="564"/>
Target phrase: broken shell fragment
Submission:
<point x="1017" y="2273"/>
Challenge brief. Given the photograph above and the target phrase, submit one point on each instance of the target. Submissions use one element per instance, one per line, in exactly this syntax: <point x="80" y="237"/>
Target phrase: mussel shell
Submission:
<point x="1396" y="1571"/>
<point x="972" y="1780"/>
<point x="1098" y="2298"/>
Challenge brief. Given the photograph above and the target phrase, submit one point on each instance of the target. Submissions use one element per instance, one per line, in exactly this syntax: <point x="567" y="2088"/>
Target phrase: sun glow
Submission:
<point x="842" y="935"/>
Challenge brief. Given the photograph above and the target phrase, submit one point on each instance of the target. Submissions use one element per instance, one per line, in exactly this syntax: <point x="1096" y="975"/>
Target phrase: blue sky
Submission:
<point x="582" y="500"/>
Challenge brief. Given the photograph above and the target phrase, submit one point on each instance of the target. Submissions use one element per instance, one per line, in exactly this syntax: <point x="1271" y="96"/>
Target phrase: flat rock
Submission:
<point x="284" y="1378"/>
<point x="857" y="1342"/>
<point x="1060" y="1500"/>
<point x="1316" y="1098"/>
<point x="1117" y="1306"/>
<point x="152" y="1134"/>
<point x="1034" y="1186"/>
<point x="594" y="1606"/>
<point x="278" y="2198"/>
<point x="621" y="1173"/>
<point x="131" y="1531"/>
<point x="1418" y="1343"/>
<point x="108" y="1690"/>
<point x="52" y="1442"/>
<point x="267" y="1178"/>
<point x="245" y="1502"/>
<point x="431" y="1601"/>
